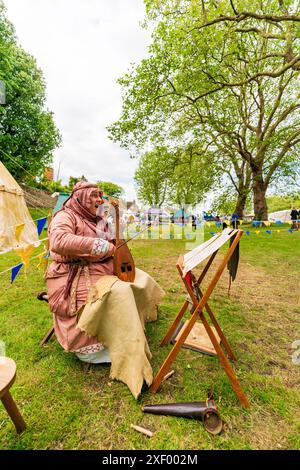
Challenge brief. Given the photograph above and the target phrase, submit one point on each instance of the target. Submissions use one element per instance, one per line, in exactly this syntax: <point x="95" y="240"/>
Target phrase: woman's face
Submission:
<point x="95" y="201"/>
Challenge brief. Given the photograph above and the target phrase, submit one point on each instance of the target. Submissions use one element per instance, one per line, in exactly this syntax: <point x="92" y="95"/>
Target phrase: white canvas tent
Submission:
<point x="280" y="216"/>
<point x="17" y="229"/>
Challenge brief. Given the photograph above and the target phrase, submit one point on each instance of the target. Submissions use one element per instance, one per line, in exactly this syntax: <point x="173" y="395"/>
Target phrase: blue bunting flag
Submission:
<point x="14" y="272"/>
<point x="41" y="224"/>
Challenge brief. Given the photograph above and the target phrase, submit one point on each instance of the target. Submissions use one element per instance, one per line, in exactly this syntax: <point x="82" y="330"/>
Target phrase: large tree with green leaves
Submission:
<point x="154" y="176"/>
<point x="27" y="131"/>
<point x="193" y="177"/>
<point x="174" y="176"/>
<point x="225" y="73"/>
<point x="111" y="189"/>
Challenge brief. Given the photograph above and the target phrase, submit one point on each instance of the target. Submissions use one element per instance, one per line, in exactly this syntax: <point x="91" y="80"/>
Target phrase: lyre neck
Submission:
<point x="117" y="224"/>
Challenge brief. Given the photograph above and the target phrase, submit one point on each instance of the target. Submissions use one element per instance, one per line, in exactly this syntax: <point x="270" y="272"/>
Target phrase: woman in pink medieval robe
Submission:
<point x="82" y="251"/>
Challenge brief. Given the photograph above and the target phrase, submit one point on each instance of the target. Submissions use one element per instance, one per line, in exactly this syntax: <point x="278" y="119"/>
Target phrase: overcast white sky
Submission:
<point x="83" y="46"/>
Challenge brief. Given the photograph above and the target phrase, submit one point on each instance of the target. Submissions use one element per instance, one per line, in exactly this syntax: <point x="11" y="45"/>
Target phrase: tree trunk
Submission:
<point x="243" y="175"/>
<point x="240" y="204"/>
<point x="259" y="197"/>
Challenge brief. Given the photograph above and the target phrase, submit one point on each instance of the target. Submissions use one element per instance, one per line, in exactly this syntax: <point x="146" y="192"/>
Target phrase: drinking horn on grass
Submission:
<point x="205" y="411"/>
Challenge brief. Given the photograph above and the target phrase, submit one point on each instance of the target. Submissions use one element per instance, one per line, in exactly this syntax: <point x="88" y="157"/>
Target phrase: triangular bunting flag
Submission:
<point x="41" y="224"/>
<point x="40" y="258"/>
<point x="19" y="229"/>
<point x="25" y="254"/>
<point x="14" y="272"/>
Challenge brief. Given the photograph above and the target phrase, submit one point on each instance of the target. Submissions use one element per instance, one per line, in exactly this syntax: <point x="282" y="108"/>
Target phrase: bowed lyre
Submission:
<point x="124" y="266"/>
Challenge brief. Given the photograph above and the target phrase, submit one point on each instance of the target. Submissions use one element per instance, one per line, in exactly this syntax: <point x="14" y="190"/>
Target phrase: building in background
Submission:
<point x="49" y="174"/>
<point x="132" y="205"/>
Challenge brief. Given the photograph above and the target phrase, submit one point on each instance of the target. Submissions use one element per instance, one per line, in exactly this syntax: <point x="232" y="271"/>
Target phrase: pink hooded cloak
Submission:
<point x="72" y="235"/>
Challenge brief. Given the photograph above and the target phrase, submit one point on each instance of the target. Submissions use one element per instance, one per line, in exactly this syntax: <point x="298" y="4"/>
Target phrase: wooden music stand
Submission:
<point x="185" y="264"/>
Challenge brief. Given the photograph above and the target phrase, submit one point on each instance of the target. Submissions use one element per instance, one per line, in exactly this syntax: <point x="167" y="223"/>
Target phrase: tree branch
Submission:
<point x="287" y="146"/>
<point x="276" y="74"/>
<point x="233" y="7"/>
<point x="282" y="87"/>
<point x="247" y="14"/>
<point x="194" y="100"/>
<point x="281" y="118"/>
<point x="260" y="32"/>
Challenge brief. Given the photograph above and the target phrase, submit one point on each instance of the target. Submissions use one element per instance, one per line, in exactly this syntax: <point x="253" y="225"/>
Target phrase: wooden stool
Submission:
<point x="7" y="377"/>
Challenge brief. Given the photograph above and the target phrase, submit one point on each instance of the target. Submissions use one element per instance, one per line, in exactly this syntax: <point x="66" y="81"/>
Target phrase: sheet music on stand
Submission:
<point x="206" y="249"/>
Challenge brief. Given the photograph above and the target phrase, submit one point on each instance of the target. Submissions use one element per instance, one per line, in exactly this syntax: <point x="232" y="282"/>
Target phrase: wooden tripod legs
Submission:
<point x="199" y="304"/>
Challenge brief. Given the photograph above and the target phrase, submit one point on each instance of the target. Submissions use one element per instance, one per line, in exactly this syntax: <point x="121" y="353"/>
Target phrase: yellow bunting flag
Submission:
<point x="267" y="223"/>
<point x="19" y="230"/>
<point x="40" y="258"/>
<point x="241" y="222"/>
<point x="257" y="232"/>
<point x="25" y="254"/>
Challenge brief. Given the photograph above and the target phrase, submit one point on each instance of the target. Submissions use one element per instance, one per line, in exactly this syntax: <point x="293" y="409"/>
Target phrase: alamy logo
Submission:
<point x="2" y="92"/>
<point x="296" y="353"/>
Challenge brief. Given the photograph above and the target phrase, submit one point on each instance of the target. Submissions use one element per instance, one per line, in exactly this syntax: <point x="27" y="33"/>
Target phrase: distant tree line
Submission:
<point x="109" y="188"/>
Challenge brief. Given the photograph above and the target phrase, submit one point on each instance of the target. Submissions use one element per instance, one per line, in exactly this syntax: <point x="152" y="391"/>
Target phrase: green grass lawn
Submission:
<point x="68" y="408"/>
